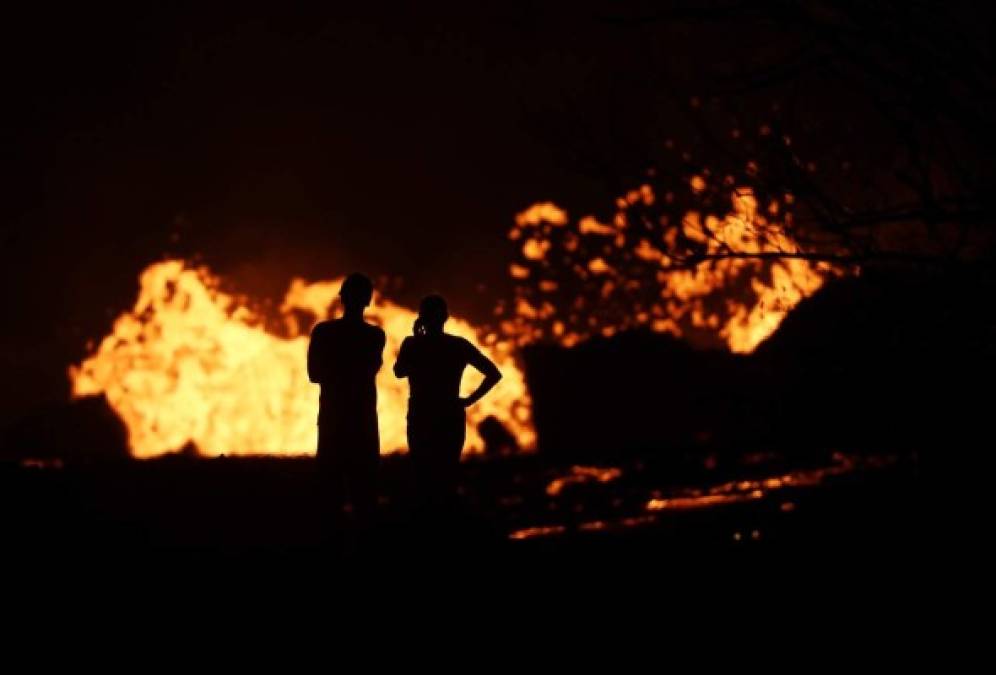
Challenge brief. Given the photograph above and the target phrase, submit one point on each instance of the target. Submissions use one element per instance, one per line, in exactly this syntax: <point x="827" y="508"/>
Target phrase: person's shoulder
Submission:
<point x="323" y="327"/>
<point x="333" y="329"/>
<point x="375" y="330"/>
<point x="461" y="343"/>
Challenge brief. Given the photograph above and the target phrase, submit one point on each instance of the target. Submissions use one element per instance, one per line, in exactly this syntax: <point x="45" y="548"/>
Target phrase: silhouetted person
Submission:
<point x="344" y="356"/>
<point x="433" y="362"/>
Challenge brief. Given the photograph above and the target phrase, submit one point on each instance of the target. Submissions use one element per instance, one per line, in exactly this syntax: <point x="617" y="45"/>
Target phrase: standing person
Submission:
<point x="344" y="356"/>
<point x="433" y="362"/>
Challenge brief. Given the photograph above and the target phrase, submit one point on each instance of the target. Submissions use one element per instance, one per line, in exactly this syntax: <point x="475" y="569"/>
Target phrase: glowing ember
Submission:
<point x="747" y="490"/>
<point x="700" y="501"/>
<point x="192" y="364"/>
<point x="582" y="474"/>
<point x="731" y="278"/>
<point x="687" y="499"/>
<point x="535" y="532"/>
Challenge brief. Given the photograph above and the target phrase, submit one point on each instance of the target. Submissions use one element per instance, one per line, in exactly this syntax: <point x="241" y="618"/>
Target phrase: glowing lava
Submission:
<point x="727" y="279"/>
<point x="190" y="364"/>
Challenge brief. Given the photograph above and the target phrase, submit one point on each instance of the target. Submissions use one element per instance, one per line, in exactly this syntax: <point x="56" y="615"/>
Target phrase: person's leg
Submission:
<point x="455" y="440"/>
<point x="438" y="467"/>
<point x="416" y="456"/>
<point x="331" y="493"/>
<point x="452" y="438"/>
<point x="363" y="487"/>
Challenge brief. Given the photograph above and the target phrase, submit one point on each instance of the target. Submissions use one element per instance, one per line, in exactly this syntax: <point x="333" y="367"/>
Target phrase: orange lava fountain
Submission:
<point x="728" y="278"/>
<point x="190" y="364"/>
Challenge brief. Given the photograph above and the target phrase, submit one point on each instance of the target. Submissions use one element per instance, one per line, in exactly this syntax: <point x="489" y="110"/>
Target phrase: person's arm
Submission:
<point x="490" y="371"/>
<point x="316" y="356"/>
<point x="401" y="366"/>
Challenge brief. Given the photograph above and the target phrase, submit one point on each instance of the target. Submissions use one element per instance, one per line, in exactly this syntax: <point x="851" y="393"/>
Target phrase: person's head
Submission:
<point x="432" y="314"/>
<point x="356" y="292"/>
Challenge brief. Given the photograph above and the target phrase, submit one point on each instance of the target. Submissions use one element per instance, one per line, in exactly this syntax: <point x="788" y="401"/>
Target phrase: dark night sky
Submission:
<point x="296" y="144"/>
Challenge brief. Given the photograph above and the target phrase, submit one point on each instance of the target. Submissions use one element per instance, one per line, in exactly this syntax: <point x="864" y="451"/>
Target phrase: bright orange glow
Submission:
<point x="614" y="278"/>
<point x="747" y="490"/>
<point x="540" y="213"/>
<point x="588" y="225"/>
<point x="583" y="474"/>
<point x="192" y="364"/>
<point x="698" y="502"/>
<point x="659" y="505"/>
<point x="536" y="532"/>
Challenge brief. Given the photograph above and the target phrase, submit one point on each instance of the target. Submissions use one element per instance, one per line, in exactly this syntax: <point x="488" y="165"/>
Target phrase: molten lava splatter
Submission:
<point x="714" y="279"/>
<point x="582" y="474"/>
<point x="190" y="364"/>
<point x="678" y="499"/>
